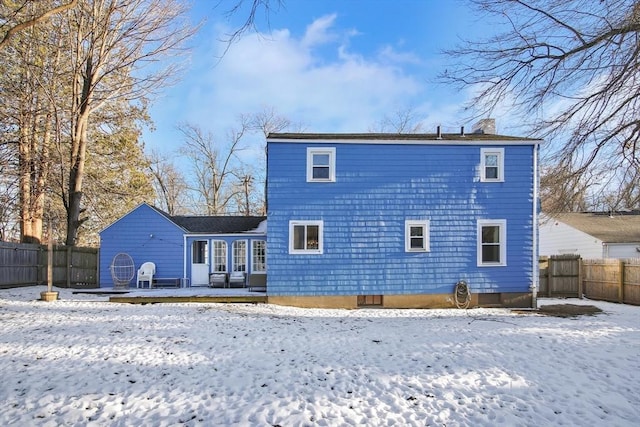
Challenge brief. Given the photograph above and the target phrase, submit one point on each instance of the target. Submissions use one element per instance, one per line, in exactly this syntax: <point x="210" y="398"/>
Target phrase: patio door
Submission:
<point x="200" y="263"/>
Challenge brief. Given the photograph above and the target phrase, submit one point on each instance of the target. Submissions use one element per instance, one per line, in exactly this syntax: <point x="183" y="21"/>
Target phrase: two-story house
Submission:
<point x="397" y="220"/>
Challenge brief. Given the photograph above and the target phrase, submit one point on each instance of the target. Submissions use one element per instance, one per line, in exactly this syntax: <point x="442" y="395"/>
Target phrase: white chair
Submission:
<point x="145" y="274"/>
<point x="237" y="279"/>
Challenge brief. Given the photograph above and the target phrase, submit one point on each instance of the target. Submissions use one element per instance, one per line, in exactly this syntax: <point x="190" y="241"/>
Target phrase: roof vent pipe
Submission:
<point x="438" y="133"/>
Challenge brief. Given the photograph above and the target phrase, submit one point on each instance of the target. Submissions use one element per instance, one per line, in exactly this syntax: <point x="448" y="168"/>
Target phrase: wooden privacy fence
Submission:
<point x="26" y="264"/>
<point x="612" y="280"/>
<point x="560" y="276"/>
<point x="599" y="279"/>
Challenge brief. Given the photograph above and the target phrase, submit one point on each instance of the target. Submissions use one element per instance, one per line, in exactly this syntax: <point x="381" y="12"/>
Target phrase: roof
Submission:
<point x="388" y="138"/>
<point x="617" y="227"/>
<point x="218" y="224"/>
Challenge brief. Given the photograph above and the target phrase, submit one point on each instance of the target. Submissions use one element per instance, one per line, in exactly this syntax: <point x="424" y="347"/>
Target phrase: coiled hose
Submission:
<point x="462" y="294"/>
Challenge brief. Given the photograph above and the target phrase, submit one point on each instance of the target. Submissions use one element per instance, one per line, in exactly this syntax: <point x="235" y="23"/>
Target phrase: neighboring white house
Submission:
<point x="591" y="234"/>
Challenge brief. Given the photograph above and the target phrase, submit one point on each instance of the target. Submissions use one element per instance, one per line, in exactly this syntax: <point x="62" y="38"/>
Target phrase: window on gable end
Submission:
<point x="321" y="164"/>
<point x="416" y="235"/>
<point x="492" y="164"/>
<point x="492" y="242"/>
<point x="305" y="237"/>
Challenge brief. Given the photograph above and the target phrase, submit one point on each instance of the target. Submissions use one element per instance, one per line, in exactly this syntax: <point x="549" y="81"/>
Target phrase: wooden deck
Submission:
<point x="240" y="299"/>
<point x="180" y="295"/>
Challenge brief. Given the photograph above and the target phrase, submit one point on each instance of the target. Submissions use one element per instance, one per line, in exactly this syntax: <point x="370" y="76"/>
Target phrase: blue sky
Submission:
<point x="330" y="65"/>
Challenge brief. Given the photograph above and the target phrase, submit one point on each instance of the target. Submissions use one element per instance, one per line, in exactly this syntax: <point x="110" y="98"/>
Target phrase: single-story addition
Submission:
<point x="186" y="249"/>
<point x="592" y="235"/>
<point x="397" y="220"/>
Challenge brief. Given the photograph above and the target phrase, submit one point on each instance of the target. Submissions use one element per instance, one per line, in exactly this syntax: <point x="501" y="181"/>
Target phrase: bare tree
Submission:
<point x="404" y="120"/>
<point x="250" y="9"/>
<point x="169" y="184"/>
<point x="569" y="67"/>
<point x="562" y="190"/>
<point x="264" y="122"/>
<point x="215" y="167"/>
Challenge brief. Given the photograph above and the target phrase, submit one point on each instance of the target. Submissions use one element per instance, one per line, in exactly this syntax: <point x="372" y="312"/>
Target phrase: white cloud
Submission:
<point x="313" y="79"/>
<point x="388" y="54"/>
<point x="318" y="79"/>
<point x="318" y="32"/>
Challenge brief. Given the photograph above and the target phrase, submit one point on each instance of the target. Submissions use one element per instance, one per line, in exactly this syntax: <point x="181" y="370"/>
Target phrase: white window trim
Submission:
<point x="253" y="264"/>
<point x="483" y="170"/>
<point x="331" y="151"/>
<point x="425" y="224"/>
<point x="318" y="251"/>
<point x="234" y="264"/>
<point x="226" y="255"/>
<point x="502" y="223"/>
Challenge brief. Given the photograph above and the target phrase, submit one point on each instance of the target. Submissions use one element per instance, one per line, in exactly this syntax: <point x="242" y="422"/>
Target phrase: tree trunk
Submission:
<point x="76" y="176"/>
<point x="27" y="232"/>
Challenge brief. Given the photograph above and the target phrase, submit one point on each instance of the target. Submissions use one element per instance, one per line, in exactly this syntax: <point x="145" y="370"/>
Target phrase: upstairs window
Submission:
<point x="416" y="236"/>
<point x="321" y="164"/>
<point x="492" y="242"/>
<point x="305" y="237"/>
<point x="492" y="164"/>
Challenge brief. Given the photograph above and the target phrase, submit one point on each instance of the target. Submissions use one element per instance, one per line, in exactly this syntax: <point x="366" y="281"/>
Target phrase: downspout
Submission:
<point x="535" y="264"/>
<point x="184" y="259"/>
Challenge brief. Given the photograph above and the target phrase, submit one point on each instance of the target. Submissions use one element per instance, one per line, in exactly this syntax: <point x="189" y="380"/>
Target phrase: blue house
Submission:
<point x="185" y="249"/>
<point x="397" y="220"/>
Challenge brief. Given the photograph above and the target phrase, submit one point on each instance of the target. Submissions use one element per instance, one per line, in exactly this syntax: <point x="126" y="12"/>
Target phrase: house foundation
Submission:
<point x="504" y="299"/>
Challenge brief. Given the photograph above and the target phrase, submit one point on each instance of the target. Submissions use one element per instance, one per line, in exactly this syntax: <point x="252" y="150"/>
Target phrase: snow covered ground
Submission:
<point x="83" y="361"/>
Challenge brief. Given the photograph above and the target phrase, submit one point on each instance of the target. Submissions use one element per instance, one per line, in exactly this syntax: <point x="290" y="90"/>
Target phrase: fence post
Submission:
<point x="550" y="277"/>
<point x="621" y="282"/>
<point x="69" y="266"/>
<point x="580" y="277"/>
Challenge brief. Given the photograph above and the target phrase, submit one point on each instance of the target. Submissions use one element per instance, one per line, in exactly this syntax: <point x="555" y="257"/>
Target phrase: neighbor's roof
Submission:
<point x="617" y="227"/>
<point x="398" y="137"/>
<point x="219" y="224"/>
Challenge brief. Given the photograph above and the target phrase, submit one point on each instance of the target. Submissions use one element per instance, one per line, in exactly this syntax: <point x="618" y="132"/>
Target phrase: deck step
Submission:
<point x="250" y="299"/>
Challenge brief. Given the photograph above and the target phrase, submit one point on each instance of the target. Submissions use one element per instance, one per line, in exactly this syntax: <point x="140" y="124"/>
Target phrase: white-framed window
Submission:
<point x="416" y="235"/>
<point x="258" y="256"/>
<point x="492" y="164"/>
<point x="219" y="256"/>
<point x="321" y="164"/>
<point x="239" y="251"/>
<point x="492" y="242"/>
<point x="305" y="237"/>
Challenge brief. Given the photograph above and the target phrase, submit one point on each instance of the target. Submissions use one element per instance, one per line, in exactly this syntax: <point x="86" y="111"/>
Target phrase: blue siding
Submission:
<point x="377" y="188"/>
<point x="146" y="235"/>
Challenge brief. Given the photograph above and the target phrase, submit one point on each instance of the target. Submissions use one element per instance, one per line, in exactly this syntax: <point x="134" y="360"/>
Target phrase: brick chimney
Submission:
<point x="484" y="126"/>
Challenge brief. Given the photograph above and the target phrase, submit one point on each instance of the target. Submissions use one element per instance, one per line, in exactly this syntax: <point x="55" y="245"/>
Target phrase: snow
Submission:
<point x="82" y="361"/>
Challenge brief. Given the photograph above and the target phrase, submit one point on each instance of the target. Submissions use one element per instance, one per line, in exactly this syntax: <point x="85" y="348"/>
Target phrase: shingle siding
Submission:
<point x="377" y="188"/>
<point x="146" y="235"/>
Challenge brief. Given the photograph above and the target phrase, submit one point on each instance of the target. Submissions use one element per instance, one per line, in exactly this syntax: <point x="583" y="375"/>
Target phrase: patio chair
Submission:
<point x="145" y="274"/>
<point x="217" y="280"/>
<point x="122" y="270"/>
<point x="257" y="283"/>
<point x="237" y="279"/>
